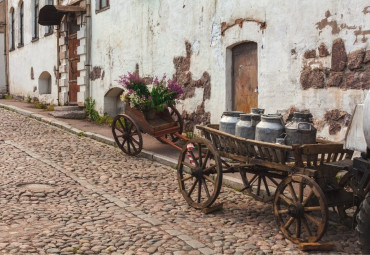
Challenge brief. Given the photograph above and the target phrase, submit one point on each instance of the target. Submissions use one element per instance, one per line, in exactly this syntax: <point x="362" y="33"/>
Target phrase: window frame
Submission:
<point x="99" y="7"/>
<point x="21" y="25"/>
<point x="49" y="30"/>
<point x="36" y="32"/>
<point x="12" y="30"/>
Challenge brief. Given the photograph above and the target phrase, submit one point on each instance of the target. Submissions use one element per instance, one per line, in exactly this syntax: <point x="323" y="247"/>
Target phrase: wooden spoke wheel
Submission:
<point x="199" y="173"/>
<point x="260" y="186"/>
<point x="300" y="209"/>
<point x="348" y="210"/>
<point x="176" y="116"/>
<point x="127" y="135"/>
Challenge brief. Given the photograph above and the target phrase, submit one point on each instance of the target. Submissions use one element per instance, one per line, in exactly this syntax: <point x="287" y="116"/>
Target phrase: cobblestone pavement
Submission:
<point x="64" y="194"/>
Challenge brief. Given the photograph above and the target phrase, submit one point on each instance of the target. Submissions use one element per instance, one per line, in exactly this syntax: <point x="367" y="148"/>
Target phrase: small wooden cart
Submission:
<point x="127" y="128"/>
<point x="302" y="187"/>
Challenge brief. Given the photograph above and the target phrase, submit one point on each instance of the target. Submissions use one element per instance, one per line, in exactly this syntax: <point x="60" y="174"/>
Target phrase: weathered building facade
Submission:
<point x="32" y="52"/>
<point x="227" y="55"/>
<point x="3" y="86"/>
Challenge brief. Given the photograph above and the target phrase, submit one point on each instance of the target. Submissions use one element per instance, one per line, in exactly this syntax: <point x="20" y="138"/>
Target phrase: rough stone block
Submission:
<point x="358" y="79"/>
<point x="81" y="66"/>
<point x="62" y="68"/>
<point x="355" y="59"/>
<point x="338" y="56"/>
<point x="323" y="51"/>
<point x="312" y="78"/>
<point x="81" y="81"/>
<point x="367" y="57"/>
<point x="82" y="33"/>
<point x="81" y="96"/>
<point x="335" y="79"/>
<point x="310" y="54"/>
<point x="63" y="98"/>
<point x="63" y="54"/>
<point x="81" y="50"/>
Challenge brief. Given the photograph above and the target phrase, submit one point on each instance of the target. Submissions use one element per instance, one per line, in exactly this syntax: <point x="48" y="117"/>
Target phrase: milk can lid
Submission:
<point x="232" y="113"/>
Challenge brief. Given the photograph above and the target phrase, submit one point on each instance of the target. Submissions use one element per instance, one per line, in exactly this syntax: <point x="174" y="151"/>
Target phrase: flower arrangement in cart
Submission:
<point x="162" y="95"/>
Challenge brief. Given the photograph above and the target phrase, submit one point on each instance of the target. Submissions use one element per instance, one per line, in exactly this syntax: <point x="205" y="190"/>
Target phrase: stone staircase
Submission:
<point x="68" y="112"/>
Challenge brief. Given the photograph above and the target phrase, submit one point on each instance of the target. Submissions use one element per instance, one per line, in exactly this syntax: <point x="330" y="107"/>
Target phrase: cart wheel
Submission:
<point x="260" y="186"/>
<point x="127" y="135"/>
<point x="176" y="116"/>
<point x="300" y="209"/>
<point x="199" y="173"/>
<point x="347" y="211"/>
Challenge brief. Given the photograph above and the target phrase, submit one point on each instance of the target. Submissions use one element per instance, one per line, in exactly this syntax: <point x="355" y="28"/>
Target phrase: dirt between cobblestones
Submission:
<point x="93" y="199"/>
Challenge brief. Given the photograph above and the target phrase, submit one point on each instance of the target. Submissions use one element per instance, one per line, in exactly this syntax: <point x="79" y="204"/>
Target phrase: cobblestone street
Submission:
<point x="63" y="194"/>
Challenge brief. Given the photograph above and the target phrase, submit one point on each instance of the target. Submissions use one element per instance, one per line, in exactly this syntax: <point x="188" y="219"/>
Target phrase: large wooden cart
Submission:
<point x="303" y="181"/>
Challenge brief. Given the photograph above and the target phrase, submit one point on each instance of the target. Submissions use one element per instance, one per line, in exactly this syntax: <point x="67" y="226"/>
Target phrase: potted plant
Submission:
<point x="162" y="95"/>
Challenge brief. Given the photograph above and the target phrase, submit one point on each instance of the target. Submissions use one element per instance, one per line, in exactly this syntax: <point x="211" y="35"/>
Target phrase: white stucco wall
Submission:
<point x="40" y="55"/>
<point x="152" y="33"/>
<point x="2" y="65"/>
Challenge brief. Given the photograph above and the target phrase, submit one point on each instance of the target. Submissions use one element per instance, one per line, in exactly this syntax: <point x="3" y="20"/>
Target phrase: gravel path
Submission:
<point x="65" y="194"/>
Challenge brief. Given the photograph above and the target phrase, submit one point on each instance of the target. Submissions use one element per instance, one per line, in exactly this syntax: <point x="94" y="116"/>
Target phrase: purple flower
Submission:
<point x="130" y="92"/>
<point x="143" y="97"/>
<point x="174" y="88"/>
<point x="150" y="97"/>
<point x="155" y="82"/>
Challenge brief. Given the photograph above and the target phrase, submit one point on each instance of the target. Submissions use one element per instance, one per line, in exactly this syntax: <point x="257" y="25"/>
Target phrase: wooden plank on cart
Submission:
<point x="316" y="246"/>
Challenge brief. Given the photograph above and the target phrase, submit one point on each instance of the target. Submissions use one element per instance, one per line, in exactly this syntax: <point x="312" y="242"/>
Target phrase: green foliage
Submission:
<point x="94" y="115"/>
<point x="50" y="108"/>
<point x="189" y="135"/>
<point x="89" y="109"/>
<point x="7" y="96"/>
<point x="81" y="134"/>
<point x="161" y="97"/>
<point x="39" y="105"/>
<point x="29" y="100"/>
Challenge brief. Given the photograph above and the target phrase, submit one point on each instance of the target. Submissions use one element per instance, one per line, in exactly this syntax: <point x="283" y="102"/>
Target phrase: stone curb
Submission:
<point x="227" y="180"/>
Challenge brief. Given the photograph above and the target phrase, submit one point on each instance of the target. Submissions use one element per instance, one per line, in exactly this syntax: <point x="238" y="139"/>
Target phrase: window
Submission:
<point x="11" y="29"/>
<point x="102" y="5"/>
<point x="49" y="29"/>
<point x="21" y="25"/>
<point x="35" y="25"/>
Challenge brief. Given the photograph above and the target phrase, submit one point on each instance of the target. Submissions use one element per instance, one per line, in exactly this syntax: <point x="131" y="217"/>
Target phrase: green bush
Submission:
<point x="89" y="109"/>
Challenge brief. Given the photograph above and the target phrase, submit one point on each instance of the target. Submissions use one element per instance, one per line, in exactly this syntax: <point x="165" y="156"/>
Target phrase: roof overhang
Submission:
<point x="53" y="14"/>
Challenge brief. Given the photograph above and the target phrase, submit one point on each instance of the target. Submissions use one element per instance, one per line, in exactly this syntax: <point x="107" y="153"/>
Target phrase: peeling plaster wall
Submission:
<point x="152" y="33"/>
<point x="40" y="56"/>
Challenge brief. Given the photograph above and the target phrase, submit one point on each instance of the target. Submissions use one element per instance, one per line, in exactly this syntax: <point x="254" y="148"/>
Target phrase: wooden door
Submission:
<point x="244" y="77"/>
<point x="73" y="58"/>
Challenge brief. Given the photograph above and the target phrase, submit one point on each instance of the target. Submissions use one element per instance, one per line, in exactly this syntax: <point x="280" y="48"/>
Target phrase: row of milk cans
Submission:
<point x="270" y="127"/>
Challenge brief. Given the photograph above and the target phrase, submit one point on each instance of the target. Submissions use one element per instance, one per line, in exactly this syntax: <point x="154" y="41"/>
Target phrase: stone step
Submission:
<point x="68" y="108"/>
<point x="68" y="114"/>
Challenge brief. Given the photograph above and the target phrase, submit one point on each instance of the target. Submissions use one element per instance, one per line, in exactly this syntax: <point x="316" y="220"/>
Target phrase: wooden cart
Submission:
<point x="127" y="129"/>
<point x="301" y="180"/>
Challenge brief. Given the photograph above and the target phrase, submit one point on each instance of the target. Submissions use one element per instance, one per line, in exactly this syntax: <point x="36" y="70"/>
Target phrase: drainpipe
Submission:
<point x="6" y="45"/>
<point x="88" y="46"/>
<point x="58" y="59"/>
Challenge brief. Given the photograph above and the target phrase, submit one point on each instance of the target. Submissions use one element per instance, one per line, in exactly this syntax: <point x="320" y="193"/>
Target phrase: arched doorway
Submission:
<point x="45" y="83"/>
<point x="112" y="102"/>
<point x="244" y="77"/>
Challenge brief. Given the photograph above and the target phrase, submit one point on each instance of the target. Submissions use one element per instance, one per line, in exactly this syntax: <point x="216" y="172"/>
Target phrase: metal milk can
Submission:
<point x="228" y="121"/>
<point x="246" y="126"/>
<point x="258" y="111"/>
<point x="300" y="130"/>
<point x="270" y="128"/>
